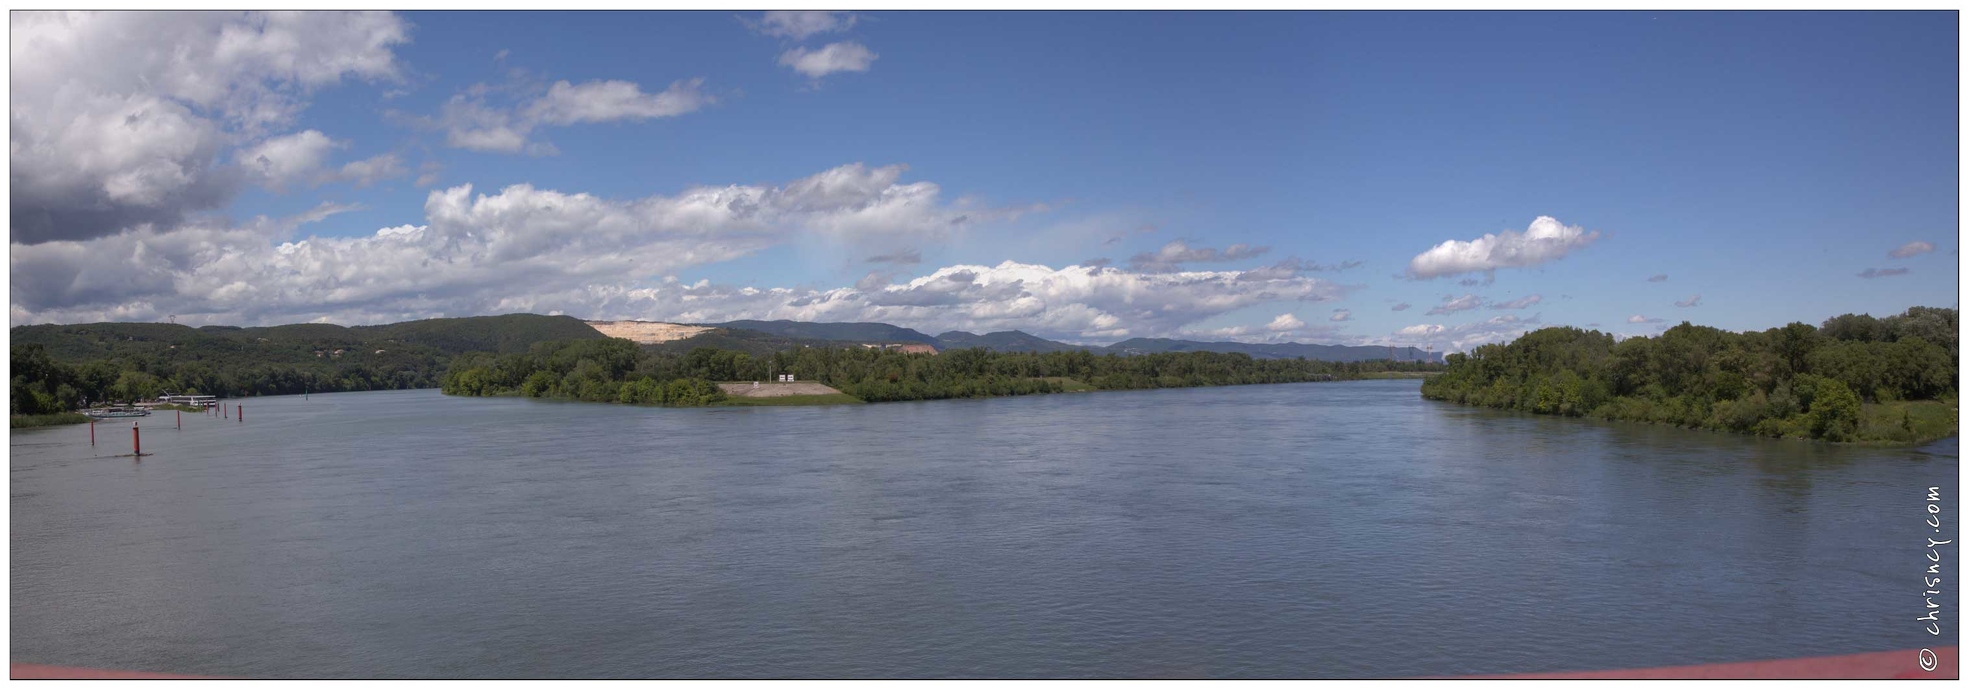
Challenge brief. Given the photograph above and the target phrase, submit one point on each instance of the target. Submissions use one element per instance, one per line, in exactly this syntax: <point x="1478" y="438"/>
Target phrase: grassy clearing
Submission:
<point x="1904" y="422"/>
<point x="31" y="421"/>
<point x="791" y="400"/>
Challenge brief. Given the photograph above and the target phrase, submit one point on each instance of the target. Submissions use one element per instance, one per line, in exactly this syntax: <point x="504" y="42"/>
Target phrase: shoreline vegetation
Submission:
<point x="1854" y="379"/>
<point x="613" y="370"/>
<point x="36" y="421"/>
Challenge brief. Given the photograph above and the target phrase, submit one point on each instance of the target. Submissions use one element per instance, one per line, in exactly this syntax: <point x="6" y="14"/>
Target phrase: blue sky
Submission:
<point x="1762" y="161"/>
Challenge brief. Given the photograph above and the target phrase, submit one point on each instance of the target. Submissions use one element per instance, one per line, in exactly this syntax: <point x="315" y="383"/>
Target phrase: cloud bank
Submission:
<point x="125" y="119"/>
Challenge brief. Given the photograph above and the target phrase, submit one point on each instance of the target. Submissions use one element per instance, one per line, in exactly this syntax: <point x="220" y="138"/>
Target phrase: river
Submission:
<point x="1345" y="529"/>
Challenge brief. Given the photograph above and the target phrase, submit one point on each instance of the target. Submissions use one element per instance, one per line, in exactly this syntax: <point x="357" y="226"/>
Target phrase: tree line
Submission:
<point x="1797" y="380"/>
<point x="618" y="371"/>
<point x="42" y="385"/>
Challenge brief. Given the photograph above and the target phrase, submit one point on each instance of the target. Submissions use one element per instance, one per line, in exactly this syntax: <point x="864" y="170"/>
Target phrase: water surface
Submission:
<point x="1305" y="530"/>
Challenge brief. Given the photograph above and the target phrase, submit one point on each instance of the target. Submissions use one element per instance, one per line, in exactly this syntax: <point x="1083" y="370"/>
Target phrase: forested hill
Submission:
<point x="57" y="366"/>
<point x="1329" y="353"/>
<point x="1855" y="378"/>
<point x="1008" y="341"/>
<point x="842" y="332"/>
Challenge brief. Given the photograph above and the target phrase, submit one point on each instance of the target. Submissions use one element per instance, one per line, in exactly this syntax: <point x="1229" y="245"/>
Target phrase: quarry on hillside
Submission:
<point x="646" y="332"/>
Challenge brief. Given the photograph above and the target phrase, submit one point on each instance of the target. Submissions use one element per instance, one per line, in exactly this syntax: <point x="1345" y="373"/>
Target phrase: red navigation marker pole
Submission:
<point x="181" y="419"/>
<point x="136" y="442"/>
<point x="92" y="432"/>
<point x="242" y="414"/>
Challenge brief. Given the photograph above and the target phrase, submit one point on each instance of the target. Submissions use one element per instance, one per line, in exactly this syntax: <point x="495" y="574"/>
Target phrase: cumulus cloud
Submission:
<point x="284" y="160"/>
<point x="846" y="56"/>
<point x="1341" y="315"/>
<point x="1452" y="304"/>
<point x="1693" y="300"/>
<point x="1400" y="307"/>
<point x="300" y="159"/>
<point x="798" y="25"/>
<point x="124" y="119"/>
<point x="1882" y="272"/>
<point x="477" y="120"/>
<point x="1463" y="337"/>
<point x="603" y="258"/>
<point x="1637" y="318"/>
<point x="1910" y="249"/>
<point x="1177" y="252"/>
<point x="1518" y="303"/>
<point x="1283" y="328"/>
<point x="1546" y="240"/>
<point x="1658" y="278"/>
<point x="467" y="253"/>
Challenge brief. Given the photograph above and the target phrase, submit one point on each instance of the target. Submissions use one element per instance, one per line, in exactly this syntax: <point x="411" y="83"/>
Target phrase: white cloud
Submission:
<point x="798" y="25"/>
<point x="1518" y="303"/>
<point x="529" y="249"/>
<point x="123" y="119"/>
<point x="519" y="236"/>
<point x="1910" y="249"/>
<point x="580" y="255"/>
<point x="1453" y="304"/>
<point x="1285" y="322"/>
<point x="1341" y="315"/>
<point x="846" y="56"/>
<point x="1546" y="240"/>
<point x="279" y="163"/>
<point x="1462" y="338"/>
<point x="1637" y="318"/>
<point x="285" y="160"/>
<point x="1693" y="300"/>
<point x="1400" y="307"/>
<point x="374" y="169"/>
<point x="473" y="120"/>
<point x="608" y="101"/>
<point x="1177" y="252"/>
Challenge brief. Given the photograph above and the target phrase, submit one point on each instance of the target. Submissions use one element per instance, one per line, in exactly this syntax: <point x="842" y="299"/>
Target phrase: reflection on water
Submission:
<point x="1334" y="529"/>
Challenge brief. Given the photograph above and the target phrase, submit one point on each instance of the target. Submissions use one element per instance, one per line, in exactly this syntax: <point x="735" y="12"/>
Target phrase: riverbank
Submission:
<point x="35" y="421"/>
<point x="1399" y="374"/>
<point x="1883" y="425"/>
<point x="757" y="394"/>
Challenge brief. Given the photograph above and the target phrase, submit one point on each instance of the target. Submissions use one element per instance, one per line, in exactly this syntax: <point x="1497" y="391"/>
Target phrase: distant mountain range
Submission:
<point x="1020" y="341"/>
<point x="431" y="340"/>
<point x="856" y="332"/>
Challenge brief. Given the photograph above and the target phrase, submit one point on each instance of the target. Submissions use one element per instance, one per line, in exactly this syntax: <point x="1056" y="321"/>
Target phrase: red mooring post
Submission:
<point x="242" y="414"/>
<point x="92" y="432"/>
<point x="181" y="419"/>
<point x="136" y="442"/>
